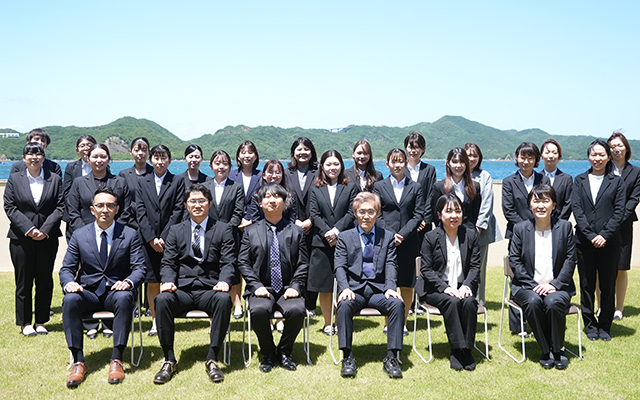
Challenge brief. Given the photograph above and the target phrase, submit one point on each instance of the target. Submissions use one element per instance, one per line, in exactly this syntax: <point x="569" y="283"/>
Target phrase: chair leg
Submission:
<point x="505" y="302"/>
<point x="306" y="338"/>
<point x="246" y="330"/>
<point x="415" y="328"/>
<point x="333" y="308"/>
<point x="139" y="308"/>
<point x="579" y="355"/>
<point x="486" y="338"/>
<point x="226" y="348"/>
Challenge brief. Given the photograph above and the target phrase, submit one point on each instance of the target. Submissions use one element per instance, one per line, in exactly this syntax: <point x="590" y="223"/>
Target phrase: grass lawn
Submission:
<point x="35" y="367"/>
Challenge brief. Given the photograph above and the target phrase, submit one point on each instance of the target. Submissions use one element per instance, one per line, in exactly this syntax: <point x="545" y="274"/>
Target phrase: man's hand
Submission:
<point x="465" y="291"/>
<point x="398" y="239"/>
<point x="73" y="287"/>
<point x="291" y="293"/>
<point x="347" y="294"/>
<point x="244" y="224"/>
<point x="221" y="286"/>
<point x="37" y="234"/>
<point x="157" y="244"/>
<point x="598" y="242"/>
<point x="121" y="285"/>
<point x="392" y="293"/>
<point x="261" y="292"/>
<point x="168" y="287"/>
<point x="544" y="289"/>
<point x="422" y="226"/>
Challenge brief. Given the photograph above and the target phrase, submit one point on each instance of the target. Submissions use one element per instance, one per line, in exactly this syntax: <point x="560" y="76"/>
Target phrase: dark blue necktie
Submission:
<point x="368" y="270"/>
<point x="104" y="254"/>
<point x="274" y="258"/>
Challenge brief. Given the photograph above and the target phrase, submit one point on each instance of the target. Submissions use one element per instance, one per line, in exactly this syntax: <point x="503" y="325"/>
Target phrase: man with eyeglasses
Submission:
<point x="366" y="269"/>
<point x="103" y="264"/>
<point x="196" y="273"/>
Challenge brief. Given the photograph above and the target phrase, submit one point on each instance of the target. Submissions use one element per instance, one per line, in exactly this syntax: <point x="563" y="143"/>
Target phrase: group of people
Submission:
<point x="288" y="233"/>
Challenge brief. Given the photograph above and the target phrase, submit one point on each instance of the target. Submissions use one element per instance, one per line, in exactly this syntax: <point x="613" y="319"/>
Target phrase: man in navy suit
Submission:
<point x="103" y="264"/>
<point x="366" y="269"/>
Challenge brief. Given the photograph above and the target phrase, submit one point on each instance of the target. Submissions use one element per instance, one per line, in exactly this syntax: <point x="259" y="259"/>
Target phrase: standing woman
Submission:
<point x="363" y="174"/>
<point x="598" y="202"/>
<point x="486" y="224"/>
<point x="193" y="158"/>
<point x="273" y="172"/>
<point x="331" y="212"/>
<point x="34" y="203"/>
<point x="139" y="150"/>
<point x="247" y="175"/>
<point x="449" y="267"/>
<point x="630" y="174"/>
<point x="77" y="169"/>
<point x="402" y="209"/>
<point x="562" y="183"/>
<point x="422" y="173"/>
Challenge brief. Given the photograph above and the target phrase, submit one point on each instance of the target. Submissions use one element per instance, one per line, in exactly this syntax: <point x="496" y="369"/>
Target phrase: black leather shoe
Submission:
<point x="214" y="372"/>
<point x="268" y="362"/>
<point x="92" y="333"/>
<point x="547" y="361"/>
<point x="391" y="366"/>
<point x="166" y="372"/>
<point x="604" y="335"/>
<point x="593" y="335"/>
<point x="349" y="367"/>
<point x="455" y="360"/>
<point x="467" y="360"/>
<point x="561" y="360"/>
<point x="287" y="363"/>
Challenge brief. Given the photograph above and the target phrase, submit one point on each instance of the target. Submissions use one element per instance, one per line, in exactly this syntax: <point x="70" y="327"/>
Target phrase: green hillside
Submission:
<point x="274" y="142"/>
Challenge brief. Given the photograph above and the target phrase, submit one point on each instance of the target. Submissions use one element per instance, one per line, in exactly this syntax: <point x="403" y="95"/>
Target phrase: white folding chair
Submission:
<point x="199" y="314"/>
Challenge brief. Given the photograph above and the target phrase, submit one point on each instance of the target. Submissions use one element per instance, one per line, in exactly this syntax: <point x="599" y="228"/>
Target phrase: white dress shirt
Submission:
<point x="543" y="258"/>
<point x="218" y="189"/>
<point x="86" y="168"/>
<point x="203" y="225"/>
<point x="398" y="187"/>
<point x="595" y="181"/>
<point x="159" y="181"/>
<point x="458" y="189"/>
<point x="453" y="271"/>
<point x="246" y="181"/>
<point x="109" y="231"/>
<point x="414" y="172"/>
<point x="528" y="182"/>
<point x="36" y="184"/>
<point x="551" y="175"/>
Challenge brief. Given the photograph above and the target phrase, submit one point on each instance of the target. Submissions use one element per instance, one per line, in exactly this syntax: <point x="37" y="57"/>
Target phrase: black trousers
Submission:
<point x="261" y="309"/>
<point x="33" y="262"/>
<point x="460" y="318"/>
<point x="216" y="304"/>
<point x="547" y="316"/>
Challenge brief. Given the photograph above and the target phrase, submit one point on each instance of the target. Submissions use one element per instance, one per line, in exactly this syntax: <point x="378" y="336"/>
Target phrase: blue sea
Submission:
<point x="498" y="169"/>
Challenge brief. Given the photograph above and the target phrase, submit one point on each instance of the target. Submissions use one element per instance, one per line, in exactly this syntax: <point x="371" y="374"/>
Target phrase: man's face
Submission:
<point x="272" y="203"/>
<point x="367" y="215"/>
<point x="104" y="208"/>
<point x="39" y="139"/>
<point x="198" y="206"/>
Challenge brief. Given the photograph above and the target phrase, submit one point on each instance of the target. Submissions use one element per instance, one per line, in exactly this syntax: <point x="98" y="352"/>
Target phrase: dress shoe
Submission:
<point x="107" y="333"/>
<point x="593" y="335"/>
<point x="467" y="360"/>
<point x="214" y="372"/>
<point x="41" y="330"/>
<point x="77" y="374"/>
<point x="547" y="361"/>
<point x="561" y="360"/>
<point x="455" y="360"/>
<point x="28" y="330"/>
<point x="617" y="316"/>
<point x="92" y="333"/>
<point x="116" y="372"/>
<point x="405" y="331"/>
<point x="167" y="370"/>
<point x="311" y="313"/>
<point x="239" y="312"/>
<point x="152" y="332"/>
<point x="391" y="366"/>
<point x="329" y="330"/>
<point x="268" y="362"/>
<point x="287" y="363"/>
<point x="349" y="367"/>
<point x="384" y="330"/>
<point x="604" y="335"/>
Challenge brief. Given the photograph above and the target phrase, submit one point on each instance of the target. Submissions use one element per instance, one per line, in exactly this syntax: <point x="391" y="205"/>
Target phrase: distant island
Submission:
<point x="274" y="142"/>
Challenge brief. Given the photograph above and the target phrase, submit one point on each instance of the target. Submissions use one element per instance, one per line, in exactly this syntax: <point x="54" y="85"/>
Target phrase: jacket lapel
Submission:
<point x="605" y="184"/>
<point x="377" y="248"/>
<point x="115" y="243"/>
<point x="208" y="237"/>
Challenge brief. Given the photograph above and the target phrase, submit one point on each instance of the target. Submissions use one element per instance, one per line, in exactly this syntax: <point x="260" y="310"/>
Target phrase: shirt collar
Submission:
<point x="160" y="178"/>
<point x="397" y="183"/>
<point x="36" y="178"/>
<point x="361" y="231"/>
<point x="528" y="180"/>
<point x="459" y="185"/>
<point x="551" y="174"/>
<point x="109" y="230"/>
<point x="221" y="184"/>
<point x="411" y="169"/>
<point x="203" y="224"/>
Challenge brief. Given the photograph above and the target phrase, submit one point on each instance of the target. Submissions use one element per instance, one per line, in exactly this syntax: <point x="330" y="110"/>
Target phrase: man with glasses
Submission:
<point x="103" y="264"/>
<point x="196" y="273"/>
<point x="365" y="268"/>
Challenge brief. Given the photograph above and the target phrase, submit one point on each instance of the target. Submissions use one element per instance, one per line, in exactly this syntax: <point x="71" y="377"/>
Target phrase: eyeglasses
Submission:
<point x="101" y="206"/>
<point x="277" y="173"/>
<point x="201" y="202"/>
<point x="85" y="145"/>
<point x="370" y="212"/>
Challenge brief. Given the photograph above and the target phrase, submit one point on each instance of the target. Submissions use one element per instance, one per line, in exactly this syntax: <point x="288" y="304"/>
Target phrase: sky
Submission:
<point x="568" y="68"/>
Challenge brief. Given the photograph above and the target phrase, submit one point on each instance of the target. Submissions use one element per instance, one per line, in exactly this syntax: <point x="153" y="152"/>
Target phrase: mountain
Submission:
<point x="274" y="142"/>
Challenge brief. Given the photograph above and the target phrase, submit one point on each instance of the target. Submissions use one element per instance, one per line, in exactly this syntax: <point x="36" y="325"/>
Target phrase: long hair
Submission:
<point x="598" y="142"/>
<point x="252" y="147"/>
<point x="306" y="142"/>
<point x="458" y="153"/>
<point x="476" y="148"/>
<point x="618" y="135"/>
<point x="369" y="168"/>
<point x="322" y="179"/>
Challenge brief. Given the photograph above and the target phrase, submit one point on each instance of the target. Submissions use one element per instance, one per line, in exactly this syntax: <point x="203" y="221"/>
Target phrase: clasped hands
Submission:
<point x="75" y="287"/>
<point x="347" y="294"/>
<point x="461" y="293"/>
<point x="290" y="293"/>
<point x="221" y="286"/>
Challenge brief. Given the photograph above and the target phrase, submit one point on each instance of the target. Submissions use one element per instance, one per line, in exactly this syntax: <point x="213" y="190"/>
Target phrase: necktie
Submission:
<point x="368" y="270"/>
<point x="195" y="244"/>
<point x="104" y="254"/>
<point x="274" y="257"/>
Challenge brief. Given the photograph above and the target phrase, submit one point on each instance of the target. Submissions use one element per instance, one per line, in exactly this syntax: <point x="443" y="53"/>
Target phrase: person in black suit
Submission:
<point x="76" y="169"/>
<point x="103" y="264"/>
<point x="34" y="205"/>
<point x="193" y="157"/>
<point x="542" y="258"/>
<point x="630" y="174"/>
<point x="402" y="213"/>
<point x="158" y="207"/>
<point x="247" y="175"/>
<point x="515" y="191"/>
<point x="273" y="172"/>
<point x="363" y="174"/>
<point x="366" y="270"/>
<point x="562" y="183"/>
<point x="197" y="269"/>
<point x="450" y="267"/>
<point x="139" y="150"/>
<point x="41" y="136"/>
<point x="598" y="203"/>
<point x="274" y="263"/>
<point x="330" y="210"/>
<point x="422" y="173"/>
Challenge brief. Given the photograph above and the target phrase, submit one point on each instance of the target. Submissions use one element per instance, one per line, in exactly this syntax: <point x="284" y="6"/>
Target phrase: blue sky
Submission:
<point x="567" y="67"/>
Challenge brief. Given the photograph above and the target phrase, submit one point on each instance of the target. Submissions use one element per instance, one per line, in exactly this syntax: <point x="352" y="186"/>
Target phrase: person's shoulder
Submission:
<point x="522" y="225"/>
<point x="427" y="166"/>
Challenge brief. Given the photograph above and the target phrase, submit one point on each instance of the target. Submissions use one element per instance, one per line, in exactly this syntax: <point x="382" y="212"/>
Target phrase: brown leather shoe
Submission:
<point x="116" y="372"/>
<point x="214" y="372"/>
<point x="77" y="375"/>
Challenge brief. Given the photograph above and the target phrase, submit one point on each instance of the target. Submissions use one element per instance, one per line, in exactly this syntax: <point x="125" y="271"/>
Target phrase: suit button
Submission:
<point x="158" y="210"/>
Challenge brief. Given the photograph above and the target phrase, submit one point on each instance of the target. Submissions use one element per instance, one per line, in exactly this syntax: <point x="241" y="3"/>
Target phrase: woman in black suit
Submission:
<point x="449" y="267"/>
<point x="247" y="175"/>
<point x="363" y="174"/>
<point x="193" y="158"/>
<point x="330" y="210"/>
<point x="542" y="258"/>
<point x="34" y="203"/>
<point x="422" y="173"/>
<point x="402" y="208"/>
<point x="562" y="183"/>
<point x="139" y="150"/>
<point x="598" y="202"/>
<point x="458" y="181"/>
<point x="77" y="169"/>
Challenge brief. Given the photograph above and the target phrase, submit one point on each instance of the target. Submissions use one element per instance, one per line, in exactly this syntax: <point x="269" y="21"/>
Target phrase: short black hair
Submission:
<point x="448" y="198"/>
<point x="528" y="149"/>
<point x="33" y="148"/>
<point x="107" y="190"/>
<point x="415" y="139"/>
<point x="86" y="137"/>
<point x="191" y="148"/>
<point x="607" y="149"/>
<point x="197" y="187"/>
<point x="160" y="150"/>
<point x="252" y="147"/>
<point x="272" y="188"/>
<point x="541" y="191"/>
<point x="39" y="132"/>
<point x="138" y="140"/>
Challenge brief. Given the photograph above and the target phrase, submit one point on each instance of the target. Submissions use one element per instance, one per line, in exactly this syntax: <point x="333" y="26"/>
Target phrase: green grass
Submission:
<point x="36" y="367"/>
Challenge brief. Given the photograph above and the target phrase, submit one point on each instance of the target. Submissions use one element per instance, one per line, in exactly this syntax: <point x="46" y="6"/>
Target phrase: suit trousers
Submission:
<point x="460" y="318"/>
<point x="216" y="304"/>
<point x="365" y="297"/>
<point x="33" y="261"/>
<point x="120" y="302"/>
<point x="261" y="309"/>
<point x="547" y="316"/>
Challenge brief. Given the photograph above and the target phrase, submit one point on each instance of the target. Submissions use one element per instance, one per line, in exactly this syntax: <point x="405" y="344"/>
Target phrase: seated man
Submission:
<point x="273" y="261"/>
<point x="365" y="267"/>
<point x="196" y="271"/>
<point x="103" y="264"/>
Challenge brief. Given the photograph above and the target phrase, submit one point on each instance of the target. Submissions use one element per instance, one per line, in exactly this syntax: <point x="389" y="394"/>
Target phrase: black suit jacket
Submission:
<point x="131" y="177"/>
<point x="563" y="184"/>
<point x="434" y="259"/>
<point x="254" y="185"/>
<point x="326" y="216"/>
<point x="217" y="264"/>
<point x="602" y="218"/>
<point x="405" y="216"/>
<point x="80" y="197"/>
<point x="631" y="178"/>
<point x="426" y="180"/>
<point x="72" y="171"/>
<point x="514" y="199"/>
<point x="230" y="209"/>
<point x="23" y="212"/>
<point x="82" y="261"/>
<point x="470" y="208"/>
<point x="301" y="195"/>
<point x="253" y="260"/>
<point x="202" y="178"/>
<point x="348" y="261"/>
<point x="47" y="164"/>
<point x="522" y="256"/>
<point x="156" y="214"/>
<point x="353" y="175"/>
